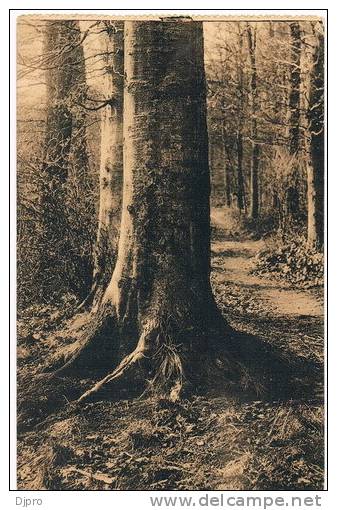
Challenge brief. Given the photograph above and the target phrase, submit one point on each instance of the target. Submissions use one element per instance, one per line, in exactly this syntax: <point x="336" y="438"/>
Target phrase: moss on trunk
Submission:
<point x="165" y="329"/>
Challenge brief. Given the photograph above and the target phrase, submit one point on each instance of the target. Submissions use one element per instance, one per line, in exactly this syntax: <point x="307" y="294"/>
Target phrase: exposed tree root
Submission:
<point x="179" y="349"/>
<point x="160" y="365"/>
<point x="124" y="369"/>
<point x="135" y="366"/>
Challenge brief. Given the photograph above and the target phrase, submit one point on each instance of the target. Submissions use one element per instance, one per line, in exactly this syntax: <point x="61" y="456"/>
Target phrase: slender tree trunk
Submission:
<point x="226" y="167"/>
<point x="240" y="180"/>
<point x="227" y="185"/>
<point x="294" y="117"/>
<point x="295" y="83"/>
<point x="158" y="314"/>
<point x="315" y="167"/>
<point x="254" y="182"/>
<point x="254" y="168"/>
<point x="239" y="140"/>
<point x="213" y="165"/>
<point x="111" y="161"/>
<point x="63" y="56"/>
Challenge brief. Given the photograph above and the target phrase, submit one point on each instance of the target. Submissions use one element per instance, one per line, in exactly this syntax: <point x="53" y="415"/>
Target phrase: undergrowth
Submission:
<point x="209" y="442"/>
<point x="289" y="258"/>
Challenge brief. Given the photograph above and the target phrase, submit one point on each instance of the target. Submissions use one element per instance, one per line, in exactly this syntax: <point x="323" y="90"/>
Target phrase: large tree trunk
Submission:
<point x="254" y="166"/>
<point x="111" y="160"/>
<point x="315" y="167"/>
<point x="63" y="62"/>
<point x="158" y="318"/>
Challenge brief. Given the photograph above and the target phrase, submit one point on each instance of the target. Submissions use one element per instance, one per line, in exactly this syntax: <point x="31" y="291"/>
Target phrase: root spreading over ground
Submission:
<point x="265" y="432"/>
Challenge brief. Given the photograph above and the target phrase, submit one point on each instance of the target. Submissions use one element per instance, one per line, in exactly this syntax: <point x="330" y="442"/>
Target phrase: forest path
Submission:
<point x="210" y="441"/>
<point x="237" y="257"/>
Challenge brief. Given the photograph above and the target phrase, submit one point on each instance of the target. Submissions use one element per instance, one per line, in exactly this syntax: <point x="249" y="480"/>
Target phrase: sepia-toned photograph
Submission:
<point x="170" y="227"/>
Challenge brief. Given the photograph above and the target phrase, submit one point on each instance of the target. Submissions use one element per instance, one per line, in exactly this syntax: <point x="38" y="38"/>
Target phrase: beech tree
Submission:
<point x="315" y="165"/>
<point x="228" y="169"/>
<point x="111" y="158"/>
<point x="295" y="83"/>
<point x="294" y="120"/>
<point x="241" y="201"/>
<point x="254" y="165"/>
<point x="157" y="325"/>
<point x="64" y="150"/>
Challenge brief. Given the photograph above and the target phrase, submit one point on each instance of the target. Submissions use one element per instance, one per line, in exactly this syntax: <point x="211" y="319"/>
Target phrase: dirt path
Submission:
<point x="238" y="257"/>
<point x="211" y="441"/>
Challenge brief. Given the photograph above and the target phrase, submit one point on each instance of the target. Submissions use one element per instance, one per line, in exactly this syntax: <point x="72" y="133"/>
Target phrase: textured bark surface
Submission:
<point x="165" y="321"/>
<point x="165" y="220"/>
<point x="293" y="120"/>
<point x="240" y="180"/>
<point x="228" y="170"/>
<point x="239" y="139"/>
<point x="254" y="182"/>
<point x="111" y="160"/>
<point x="227" y="184"/>
<point x="295" y="83"/>
<point x="254" y="165"/>
<point x="315" y="167"/>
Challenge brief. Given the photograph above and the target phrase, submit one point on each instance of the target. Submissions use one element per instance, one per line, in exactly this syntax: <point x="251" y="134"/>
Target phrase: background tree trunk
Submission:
<point x="227" y="184"/>
<point x="240" y="181"/>
<point x="111" y="160"/>
<point x="64" y="65"/>
<point x="241" y="202"/>
<point x="295" y="82"/>
<point x="315" y="167"/>
<point x="294" y="117"/>
<point x="227" y="170"/>
<point x="254" y="168"/>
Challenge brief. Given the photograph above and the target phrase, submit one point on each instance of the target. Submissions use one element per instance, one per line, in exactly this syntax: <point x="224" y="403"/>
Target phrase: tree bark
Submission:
<point x="295" y="83"/>
<point x="254" y="167"/>
<point x="293" y="121"/>
<point x="227" y="184"/>
<point x="111" y="161"/>
<point x="227" y="167"/>
<point x="158" y="312"/>
<point x="315" y="166"/>
<point x="241" y="202"/>
<point x="240" y="180"/>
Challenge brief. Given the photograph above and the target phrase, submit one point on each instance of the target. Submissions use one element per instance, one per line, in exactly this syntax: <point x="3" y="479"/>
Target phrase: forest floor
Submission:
<point x="208" y="442"/>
